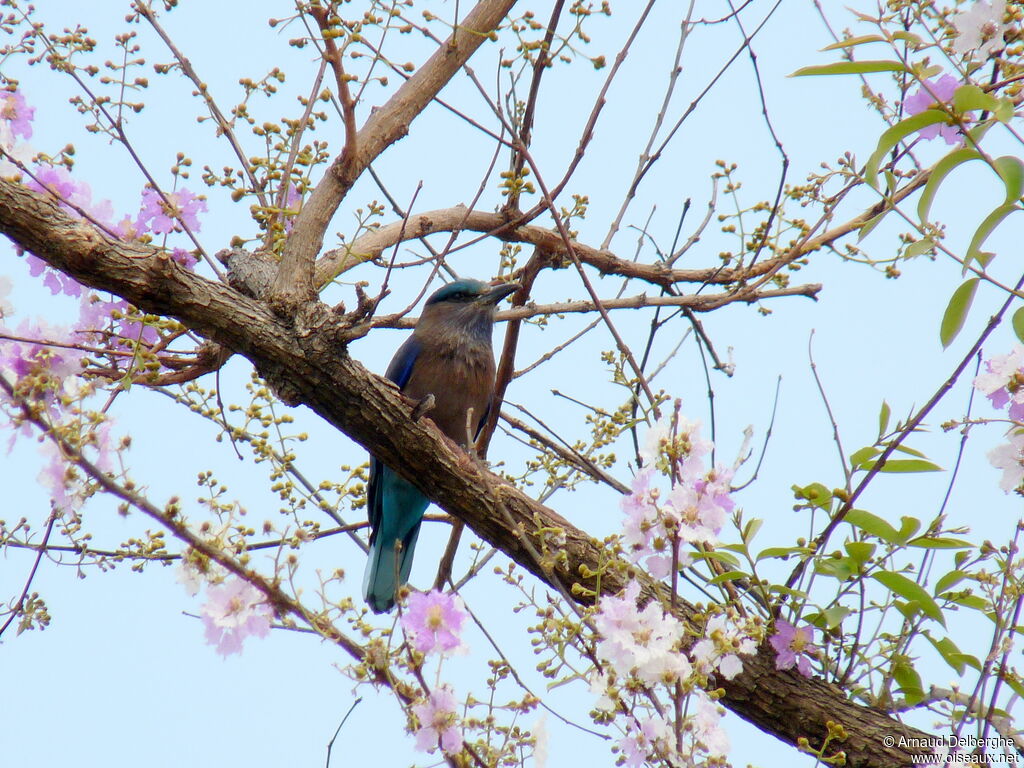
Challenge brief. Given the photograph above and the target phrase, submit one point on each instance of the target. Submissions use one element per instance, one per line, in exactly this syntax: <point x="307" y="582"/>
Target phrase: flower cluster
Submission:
<point x="643" y="643"/>
<point x="432" y="622"/>
<point x="693" y="511"/>
<point x="41" y="361"/>
<point x="1003" y="384"/>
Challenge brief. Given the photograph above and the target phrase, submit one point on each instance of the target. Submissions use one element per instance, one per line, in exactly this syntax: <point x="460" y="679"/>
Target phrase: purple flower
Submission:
<point x="75" y="195"/>
<point x="792" y="646"/>
<point x="932" y="94"/>
<point x="161" y="218"/>
<point x="439" y="724"/>
<point x="433" y="620"/>
<point x="17" y="113"/>
<point x="234" y="611"/>
<point x="47" y="367"/>
<point x="292" y="205"/>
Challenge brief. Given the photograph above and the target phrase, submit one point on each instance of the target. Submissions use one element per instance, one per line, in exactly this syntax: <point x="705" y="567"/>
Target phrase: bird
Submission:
<point x="448" y="356"/>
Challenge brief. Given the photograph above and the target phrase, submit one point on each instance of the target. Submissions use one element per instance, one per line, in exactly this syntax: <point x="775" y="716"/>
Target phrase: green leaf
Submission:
<point x="918" y="248"/>
<point x="1004" y="110"/>
<point x="1018" y="323"/>
<point x="912" y="451"/>
<point x="728" y="576"/>
<point x="874" y="525"/>
<point x="850" y="42"/>
<point x="939" y="172"/>
<point x="909" y="37"/>
<point x="842" y="568"/>
<point x="895" y="135"/>
<point x="908" y="527"/>
<point x="861" y="551"/>
<point x="1011" y="171"/>
<point x="871" y="223"/>
<point x="780" y="552"/>
<point x="815" y="493"/>
<point x="909" y="681"/>
<point x="991" y="221"/>
<point x="862" y="458"/>
<point x="851" y="68"/>
<point x="834" y="616"/>
<point x="951" y="579"/>
<point x="719" y="555"/>
<point x="909" y="589"/>
<point x="750" y="530"/>
<point x="971" y="601"/>
<point x="909" y="465"/>
<point x="970" y="97"/>
<point x="939" y="542"/>
<point x="883" y="419"/>
<point x="956" y="311"/>
<point x="952" y="655"/>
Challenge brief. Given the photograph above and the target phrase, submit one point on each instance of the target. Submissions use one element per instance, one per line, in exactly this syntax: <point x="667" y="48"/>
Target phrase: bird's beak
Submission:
<point x="499" y="292"/>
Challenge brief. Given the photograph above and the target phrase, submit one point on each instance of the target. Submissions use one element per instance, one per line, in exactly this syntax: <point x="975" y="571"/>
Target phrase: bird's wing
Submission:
<point x="402" y="363"/>
<point x="399" y="372"/>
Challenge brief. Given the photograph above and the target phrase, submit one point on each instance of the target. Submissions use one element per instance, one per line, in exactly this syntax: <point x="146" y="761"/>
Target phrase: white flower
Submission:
<point x="6" y="308"/>
<point x="541" y="738"/>
<point x="980" y="29"/>
<point x="707" y="725"/>
<point x="641" y="642"/>
<point x="1009" y="457"/>
<point x="1001" y="369"/>
<point x="721" y="647"/>
<point x="12" y="148"/>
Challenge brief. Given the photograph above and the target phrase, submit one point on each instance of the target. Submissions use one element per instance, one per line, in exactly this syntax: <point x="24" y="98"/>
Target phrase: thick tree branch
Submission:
<point x="295" y="277"/>
<point x="319" y="373"/>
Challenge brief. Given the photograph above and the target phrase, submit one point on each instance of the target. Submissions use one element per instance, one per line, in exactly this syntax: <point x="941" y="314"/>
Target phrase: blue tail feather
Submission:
<point x="398" y="510"/>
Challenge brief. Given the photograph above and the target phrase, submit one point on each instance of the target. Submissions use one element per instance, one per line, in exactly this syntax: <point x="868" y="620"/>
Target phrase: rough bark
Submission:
<point x="314" y="365"/>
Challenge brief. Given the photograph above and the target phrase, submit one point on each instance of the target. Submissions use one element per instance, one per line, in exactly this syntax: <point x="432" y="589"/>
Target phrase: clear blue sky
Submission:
<point x="123" y="677"/>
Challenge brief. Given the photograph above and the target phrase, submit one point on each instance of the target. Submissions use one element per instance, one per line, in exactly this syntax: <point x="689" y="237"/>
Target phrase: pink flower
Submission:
<point x="433" y="621"/>
<point x="1004" y="382"/>
<point x="17" y="113"/>
<point x="1009" y="457"/>
<point x="644" y="642"/>
<point x="646" y="740"/>
<point x="161" y="218"/>
<point x="707" y="726"/>
<point x="931" y="94"/>
<point x="53" y="279"/>
<point x="980" y="29"/>
<point x="293" y="205"/>
<point x="792" y="646"/>
<point x="439" y="723"/>
<point x="234" y="611"/>
<point x="76" y="195"/>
